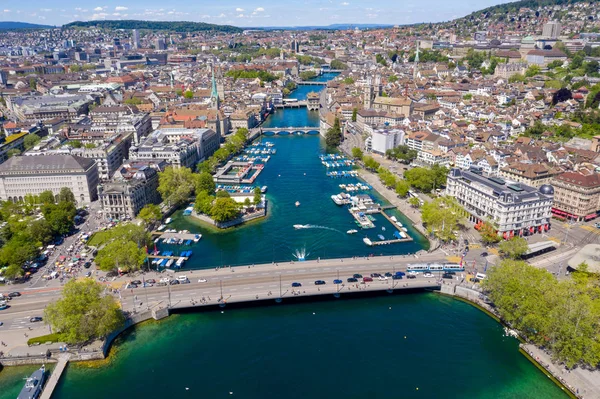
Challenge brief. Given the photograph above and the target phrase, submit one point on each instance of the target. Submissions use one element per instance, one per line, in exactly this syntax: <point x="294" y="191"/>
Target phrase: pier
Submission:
<point x="63" y="360"/>
<point x="394" y="241"/>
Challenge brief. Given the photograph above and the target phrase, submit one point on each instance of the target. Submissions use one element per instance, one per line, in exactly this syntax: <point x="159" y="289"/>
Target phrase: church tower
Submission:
<point x="214" y="94"/>
<point x="416" y="66"/>
<point x="368" y="94"/>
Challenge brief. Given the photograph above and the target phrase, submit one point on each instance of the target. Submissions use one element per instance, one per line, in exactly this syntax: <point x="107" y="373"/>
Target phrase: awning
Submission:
<point x="558" y="211"/>
<point x="591" y="216"/>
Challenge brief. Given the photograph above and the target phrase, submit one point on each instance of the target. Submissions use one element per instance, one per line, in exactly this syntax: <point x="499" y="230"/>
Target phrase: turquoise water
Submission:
<point x="384" y="347"/>
<point x="295" y="173"/>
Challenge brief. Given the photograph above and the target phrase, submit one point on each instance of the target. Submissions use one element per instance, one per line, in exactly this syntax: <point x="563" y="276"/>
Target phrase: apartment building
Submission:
<point x="576" y="196"/>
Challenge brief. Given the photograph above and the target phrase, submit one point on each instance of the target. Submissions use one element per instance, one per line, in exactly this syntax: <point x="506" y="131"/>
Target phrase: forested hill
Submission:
<point x="517" y="5"/>
<point x="10" y="25"/>
<point x="174" y="26"/>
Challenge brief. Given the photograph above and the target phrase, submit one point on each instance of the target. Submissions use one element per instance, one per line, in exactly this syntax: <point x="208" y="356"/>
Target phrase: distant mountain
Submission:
<point x="9" y="25"/>
<point x="327" y="27"/>
<point x="174" y="26"/>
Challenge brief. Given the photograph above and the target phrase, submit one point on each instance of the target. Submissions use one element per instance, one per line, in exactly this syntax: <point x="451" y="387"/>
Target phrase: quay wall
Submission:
<point x="231" y="223"/>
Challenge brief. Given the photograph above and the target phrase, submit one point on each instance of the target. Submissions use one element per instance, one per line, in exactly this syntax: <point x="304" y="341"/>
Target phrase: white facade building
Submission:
<point x="383" y="140"/>
<point x="20" y="176"/>
<point x="513" y="208"/>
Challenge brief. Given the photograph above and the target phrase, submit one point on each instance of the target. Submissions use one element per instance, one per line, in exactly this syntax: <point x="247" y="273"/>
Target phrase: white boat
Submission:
<point x="297" y="203"/>
<point x="367" y="241"/>
<point x="168" y="220"/>
<point x="352" y="231"/>
<point x="301" y="226"/>
<point x="169" y="263"/>
<point x="263" y="189"/>
<point x="382" y="228"/>
<point x="161" y="227"/>
<point x="337" y="199"/>
<point x="394" y="219"/>
<point x="197" y="237"/>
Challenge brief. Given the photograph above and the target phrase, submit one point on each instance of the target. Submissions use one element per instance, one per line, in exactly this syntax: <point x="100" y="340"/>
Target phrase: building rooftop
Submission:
<point x="46" y="163"/>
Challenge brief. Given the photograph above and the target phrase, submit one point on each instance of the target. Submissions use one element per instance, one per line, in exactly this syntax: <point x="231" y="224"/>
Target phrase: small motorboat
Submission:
<point x="382" y="228"/>
<point x="297" y="203"/>
<point x="381" y="237"/>
<point x="300" y="226"/>
<point x="352" y="231"/>
<point x="367" y="241"/>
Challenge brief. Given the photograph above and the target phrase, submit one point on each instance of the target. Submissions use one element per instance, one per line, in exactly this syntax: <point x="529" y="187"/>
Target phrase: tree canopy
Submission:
<point x="333" y="136"/>
<point x="174" y="26"/>
<point x="513" y="248"/>
<point x="402" y="153"/>
<point x="442" y="217"/>
<point x="427" y="179"/>
<point x="563" y="316"/>
<point x="83" y="312"/>
<point x="150" y="214"/>
<point x="176" y="185"/>
<point x="224" y="210"/>
<point x="126" y="256"/>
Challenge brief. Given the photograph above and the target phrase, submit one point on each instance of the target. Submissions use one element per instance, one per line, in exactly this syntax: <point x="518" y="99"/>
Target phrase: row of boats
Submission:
<point x="355" y="187"/>
<point x="261" y="151"/>
<point x="342" y="173"/>
<point x="168" y="262"/>
<point x="181" y="241"/>
<point x="338" y="164"/>
<point x="332" y="157"/>
<point x="253" y="159"/>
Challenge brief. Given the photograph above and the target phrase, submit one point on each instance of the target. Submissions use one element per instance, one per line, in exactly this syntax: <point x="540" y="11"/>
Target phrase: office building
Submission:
<point x="576" y="196"/>
<point x="551" y="30"/>
<point x="20" y="176"/>
<point x="382" y="140"/>
<point x="135" y="34"/>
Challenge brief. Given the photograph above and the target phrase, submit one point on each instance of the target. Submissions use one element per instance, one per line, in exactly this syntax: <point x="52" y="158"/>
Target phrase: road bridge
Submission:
<point x="311" y="83"/>
<point x="290" y="130"/>
<point x="294" y="104"/>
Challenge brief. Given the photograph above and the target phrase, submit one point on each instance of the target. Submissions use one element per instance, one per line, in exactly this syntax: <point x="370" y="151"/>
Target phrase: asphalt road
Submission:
<point x="237" y="282"/>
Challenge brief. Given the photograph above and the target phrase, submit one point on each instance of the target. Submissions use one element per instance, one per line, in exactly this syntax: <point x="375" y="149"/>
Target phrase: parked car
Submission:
<point x="367" y="279"/>
<point x="400" y="274"/>
<point x="337" y="281"/>
<point x="320" y="282"/>
<point x="411" y="276"/>
<point x="14" y="294"/>
<point x="388" y="274"/>
<point x="484" y="254"/>
<point x="448" y="276"/>
<point x="165" y="280"/>
<point x="352" y="280"/>
<point x="161" y="284"/>
<point x="88" y="274"/>
<point x="375" y="275"/>
<point x="428" y="275"/>
<point x="397" y="277"/>
<point x="136" y="282"/>
<point x="202" y="280"/>
<point x="383" y="278"/>
<point x="413" y="273"/>
<point x="130" y="286"/>
<point x="174" y="282"/>
<point x="183" y="279"/>
<point x="35" y="319"/>
<point x="87" y="265"/>
<point x="151" y="281"/>
<point x="356" y="275"/>
<point x="295" y="284"/>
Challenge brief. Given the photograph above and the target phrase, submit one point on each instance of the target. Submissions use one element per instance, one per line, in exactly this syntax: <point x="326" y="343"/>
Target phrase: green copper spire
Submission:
<point x="213" y="93"/>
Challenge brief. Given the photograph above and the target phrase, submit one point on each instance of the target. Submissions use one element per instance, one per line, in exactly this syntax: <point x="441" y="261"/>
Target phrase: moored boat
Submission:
<point x="352" y="231"/>
<point x="297" y="203"/>
<point x="34" y="384"/>
<point x="367" y="241"/>
<point x="263" y="189"/>
<point x="381" y="237"/>
<point x="168" y="220"/>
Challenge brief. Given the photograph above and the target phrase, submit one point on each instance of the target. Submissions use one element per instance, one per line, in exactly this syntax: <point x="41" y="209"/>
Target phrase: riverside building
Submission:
<point x="513" y="208"/>
<point x="178" y="147"/>
<point x="20" y="176"/>
<point x="576" y="196"/>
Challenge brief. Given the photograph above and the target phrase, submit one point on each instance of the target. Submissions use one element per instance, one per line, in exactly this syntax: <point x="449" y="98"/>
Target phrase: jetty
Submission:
<point x="394" y="241"/>
<point x="63" y="360"/>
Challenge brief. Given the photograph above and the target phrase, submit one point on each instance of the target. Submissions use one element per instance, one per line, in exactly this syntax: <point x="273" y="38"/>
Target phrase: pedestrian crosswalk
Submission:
<point x="19" y="323"/>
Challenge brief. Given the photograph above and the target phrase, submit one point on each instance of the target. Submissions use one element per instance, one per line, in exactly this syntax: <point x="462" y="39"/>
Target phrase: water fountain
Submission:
<point x="300" y="254"/>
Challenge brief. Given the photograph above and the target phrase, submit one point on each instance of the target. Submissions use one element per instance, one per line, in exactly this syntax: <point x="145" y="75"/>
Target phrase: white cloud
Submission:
<point x="239" y="10"/>
<point x="259" y="9"/>
<point x="116" y="14"/>
<point x="101" y="15"/>
<point x="79" y="9"/>
<point x="372" y="15"/>
<point x="345" y="3"/>
<point x="6" y="10"/>
<point x="45" y="9"/>
<point x="240" y="16"/>
<point x="98" y="9"/>
<point x="121" y="8"/>
<point x="221" y="15"/>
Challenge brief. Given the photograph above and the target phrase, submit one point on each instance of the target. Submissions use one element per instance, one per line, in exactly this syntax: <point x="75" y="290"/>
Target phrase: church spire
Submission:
<point x="214" y="94"/>
<point x="416" y="66"/>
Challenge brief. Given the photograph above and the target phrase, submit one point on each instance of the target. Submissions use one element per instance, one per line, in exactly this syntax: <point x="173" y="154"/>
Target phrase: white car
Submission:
<point x="382" y="278"/>
<point x="428" y="274"/>
<point x="182" y="278"/>
<point x="202" y="280"/>
<point x="165" y="280"/>
<point x="414" y="273"/>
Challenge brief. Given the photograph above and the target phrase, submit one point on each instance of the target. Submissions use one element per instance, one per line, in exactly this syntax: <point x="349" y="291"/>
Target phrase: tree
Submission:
<point x="392" y="78"/>
<point x="532" y="71"/>
<point x="337" y="64"/>
<point x="247" y="202"/>
<point x="357" y="153"/>
<point x="442" y="218"/>
<point x="13" y="152"/>
<point x="489" y="234"/>
<point x="333" y="136"/>
<point x="60" y="217"/>
<point x="31" y="140"/>
<point x="205" y="182"/>
<point x="514" y="248"/>
<point x="188" y="94"/>
<point x="84" y="312"/>
<point x="561" y="95"/>
<point x="204" y="202"/>
<point x="126" y="256"/>
<point x="176" y="185"/>
<point x="224" y="210"/>
<point x="414" y="202"/>
<point x="402" y="153"/>
<point x="402" y="188"/>
<point x="18" y="250"/>
<point x="41" y="232"/>
<point x="46" y="197"/>
<point x="66" y="195"/>
<point x="150" y="214"/>
<point x="354" y="114"/>
<point x="257" y="196"/>
<point x="370" y="163"/>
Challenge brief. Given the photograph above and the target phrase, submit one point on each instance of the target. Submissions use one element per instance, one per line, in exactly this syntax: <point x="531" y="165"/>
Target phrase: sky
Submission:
<point x="243" y="13"/>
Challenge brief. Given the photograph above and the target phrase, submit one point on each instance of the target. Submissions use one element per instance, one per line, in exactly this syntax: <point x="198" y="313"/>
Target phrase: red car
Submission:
<point x="367" y="279"/>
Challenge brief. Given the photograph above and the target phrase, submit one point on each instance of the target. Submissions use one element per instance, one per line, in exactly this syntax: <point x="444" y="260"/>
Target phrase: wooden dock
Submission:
<point x="166" y="257"/>
<point x="394" y="241"/>
<point x="386" y="207"/>
<point x="63" y="360"/>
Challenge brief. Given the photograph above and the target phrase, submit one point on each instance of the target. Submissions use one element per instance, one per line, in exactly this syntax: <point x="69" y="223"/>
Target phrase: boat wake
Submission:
<point x="314" y="226"/>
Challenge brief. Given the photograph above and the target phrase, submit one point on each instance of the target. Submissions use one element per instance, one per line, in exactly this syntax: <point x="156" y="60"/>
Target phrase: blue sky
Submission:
<point x="242" y="12"/>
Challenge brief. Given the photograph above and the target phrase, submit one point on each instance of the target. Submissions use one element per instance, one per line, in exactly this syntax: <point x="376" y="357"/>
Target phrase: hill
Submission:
<point x="10" y="25"/>
<point x="175" y="26"/>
